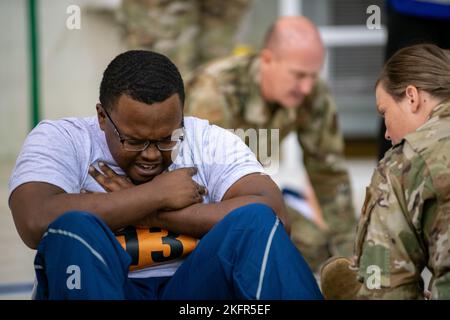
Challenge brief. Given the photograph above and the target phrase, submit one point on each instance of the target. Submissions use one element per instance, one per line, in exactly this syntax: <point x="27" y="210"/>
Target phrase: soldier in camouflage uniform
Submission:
<point x="190" y="32"/>
<point x="278" y="90"/>
<point x="405" y="221"/>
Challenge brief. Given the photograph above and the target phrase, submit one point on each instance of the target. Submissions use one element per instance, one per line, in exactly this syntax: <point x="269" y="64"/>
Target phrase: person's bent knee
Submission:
<point x="252" y="214"/>
<point x="72" y="218"/>
<point x="78" y="222"/>
<point x="83" y="227"/>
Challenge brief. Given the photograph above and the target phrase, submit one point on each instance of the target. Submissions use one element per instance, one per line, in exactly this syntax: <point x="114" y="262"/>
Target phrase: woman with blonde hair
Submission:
<point x="405" y="220"/>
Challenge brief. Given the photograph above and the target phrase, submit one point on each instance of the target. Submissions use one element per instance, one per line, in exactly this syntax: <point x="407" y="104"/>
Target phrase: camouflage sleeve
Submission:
<point x="439" y="250"/>
<point x="390" y="250"/>
<point x="323" y="146"/>
<point x="436" y="225"/>
<point x="205" y="100"/>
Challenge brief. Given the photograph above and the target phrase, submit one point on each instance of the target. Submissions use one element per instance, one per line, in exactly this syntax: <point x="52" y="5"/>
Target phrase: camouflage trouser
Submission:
<point x="190" y="32"/>
<point x="315" y="244"/>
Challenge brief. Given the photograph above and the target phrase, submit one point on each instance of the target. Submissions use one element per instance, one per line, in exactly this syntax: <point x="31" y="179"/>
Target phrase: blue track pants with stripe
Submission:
<point x="247" y="255"/>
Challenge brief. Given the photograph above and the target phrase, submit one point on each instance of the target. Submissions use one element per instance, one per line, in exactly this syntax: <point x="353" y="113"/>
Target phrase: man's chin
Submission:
<point x="141" y="180"/>
<point x="292" y="103"/>
<point x="138" y="177"/>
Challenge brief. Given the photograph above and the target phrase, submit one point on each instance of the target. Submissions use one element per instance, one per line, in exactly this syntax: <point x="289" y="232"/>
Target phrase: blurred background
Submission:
<point x="49" y="71"/>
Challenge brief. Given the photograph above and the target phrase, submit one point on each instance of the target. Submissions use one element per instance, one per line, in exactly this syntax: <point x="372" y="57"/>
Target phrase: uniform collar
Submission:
<point x="442" y="110"/>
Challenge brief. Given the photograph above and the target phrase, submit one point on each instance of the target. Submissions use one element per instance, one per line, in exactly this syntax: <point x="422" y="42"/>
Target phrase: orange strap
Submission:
<point x="150" y="246"/>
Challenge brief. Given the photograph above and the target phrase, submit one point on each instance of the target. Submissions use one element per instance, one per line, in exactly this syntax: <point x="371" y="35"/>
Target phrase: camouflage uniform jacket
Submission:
<point x="405" y="221"/>
<point x="226" y="92"/>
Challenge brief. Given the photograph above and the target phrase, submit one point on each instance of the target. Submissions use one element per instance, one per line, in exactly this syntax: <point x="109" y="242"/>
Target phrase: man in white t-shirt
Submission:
<point x="183" y="180"/>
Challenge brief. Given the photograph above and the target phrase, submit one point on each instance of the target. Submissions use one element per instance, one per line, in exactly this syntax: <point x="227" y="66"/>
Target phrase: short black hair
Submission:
<point x="145" y="76"/>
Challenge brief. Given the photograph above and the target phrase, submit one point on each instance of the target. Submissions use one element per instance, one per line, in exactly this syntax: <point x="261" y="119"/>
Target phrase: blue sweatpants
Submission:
<point x="247" y="255"/>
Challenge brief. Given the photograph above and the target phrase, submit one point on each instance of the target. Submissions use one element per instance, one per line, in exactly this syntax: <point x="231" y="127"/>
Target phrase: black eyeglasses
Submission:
<point x="140" y="145"/>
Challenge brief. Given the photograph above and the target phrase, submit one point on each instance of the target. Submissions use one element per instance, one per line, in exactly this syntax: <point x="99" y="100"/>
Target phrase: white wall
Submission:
<point x="13" y="77"/>
<point x="72" y="62"/>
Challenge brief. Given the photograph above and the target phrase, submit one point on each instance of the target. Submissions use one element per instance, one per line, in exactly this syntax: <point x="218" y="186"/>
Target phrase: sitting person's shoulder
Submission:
<point x="192" y="123"/>
<point x="66" y="125"/>
<point x="212" y="137"/>
<point x="196" y="126"/>
<point x="417" y="154"/>
<point x="66" y="133"/>
<point x="433" y="138"/>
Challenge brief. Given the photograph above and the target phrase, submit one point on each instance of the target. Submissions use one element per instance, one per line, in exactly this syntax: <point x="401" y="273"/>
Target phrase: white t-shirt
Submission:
<point x="60" y="153"/>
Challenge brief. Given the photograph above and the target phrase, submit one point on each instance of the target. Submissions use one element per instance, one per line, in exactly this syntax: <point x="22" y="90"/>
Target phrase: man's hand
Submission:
<point x="108" y="179"/>
<point x="177" y="186"/>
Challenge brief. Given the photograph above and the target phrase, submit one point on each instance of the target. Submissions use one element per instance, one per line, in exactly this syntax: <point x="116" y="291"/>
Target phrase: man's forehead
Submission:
<point x="304" y="63"/>
<point x="139" y="119"/>
<point x="303" y="70"/>
<point x="127" y="105"/>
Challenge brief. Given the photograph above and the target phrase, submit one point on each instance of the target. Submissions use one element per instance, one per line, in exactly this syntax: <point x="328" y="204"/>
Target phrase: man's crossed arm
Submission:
<point x="171" y="201"/>
<point x="197" y="219"/>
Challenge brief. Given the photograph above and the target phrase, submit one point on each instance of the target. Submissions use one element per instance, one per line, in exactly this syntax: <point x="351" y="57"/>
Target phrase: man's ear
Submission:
<point x="266" y="56"/>
<point x="413" y="99"/>
<point x="101" y="116"/>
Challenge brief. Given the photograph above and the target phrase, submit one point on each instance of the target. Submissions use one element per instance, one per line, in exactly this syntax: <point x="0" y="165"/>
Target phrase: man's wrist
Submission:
<point x="147" y="197"/>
